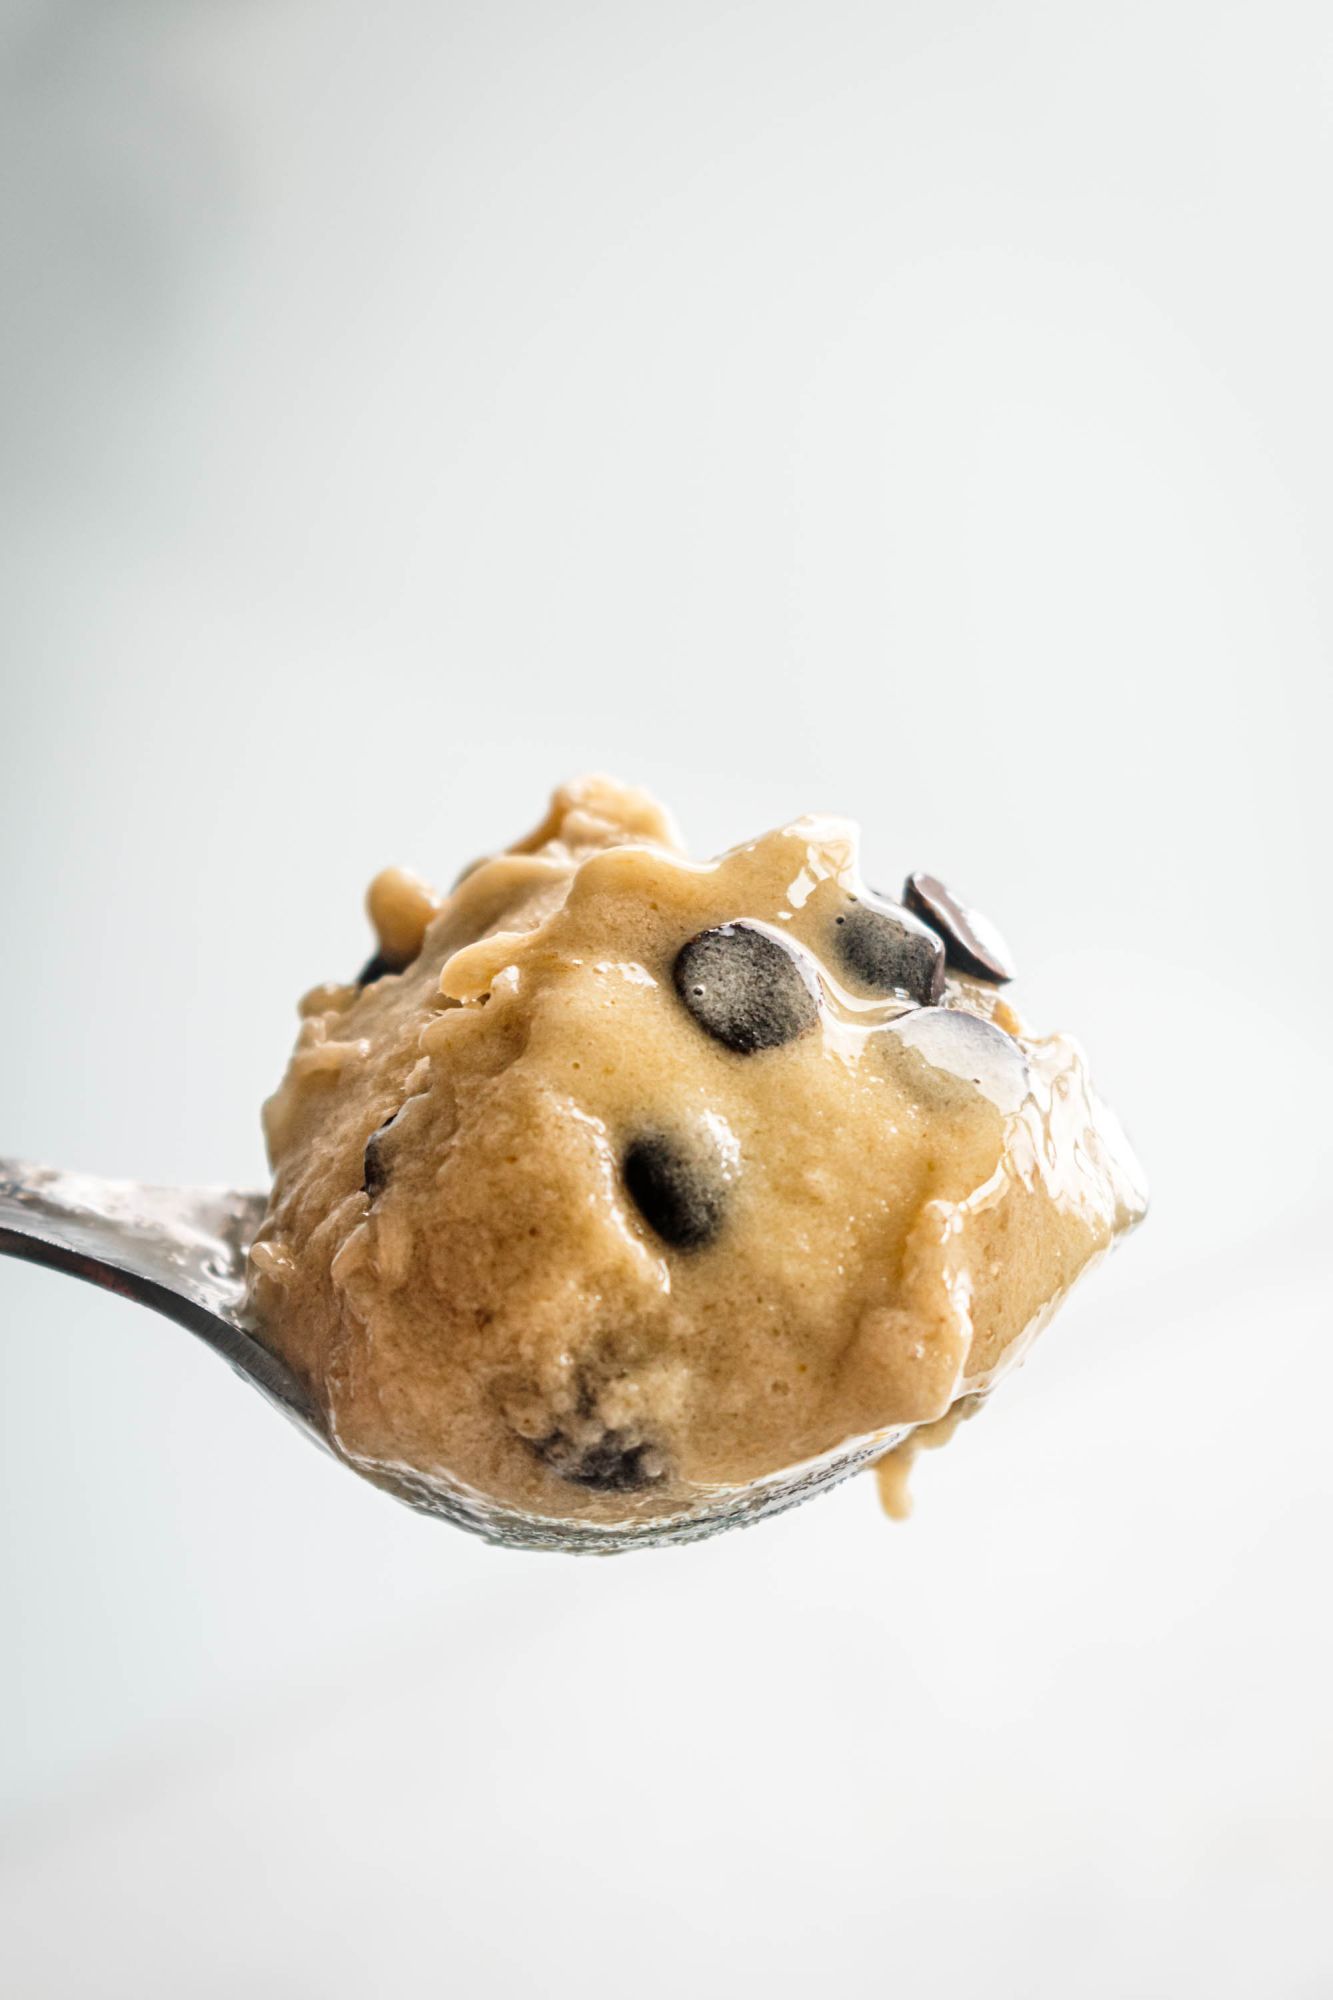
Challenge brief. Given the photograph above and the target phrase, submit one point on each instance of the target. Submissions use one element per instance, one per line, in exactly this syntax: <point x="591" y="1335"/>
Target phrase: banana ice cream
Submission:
<point x="618" y="1179"/>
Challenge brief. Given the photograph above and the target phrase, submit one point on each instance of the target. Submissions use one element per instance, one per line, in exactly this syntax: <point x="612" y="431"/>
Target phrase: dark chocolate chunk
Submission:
<point x="746" y="988"/>
<point x="581" y="1447"/>
<point x="375" y="968"/>
<point x="609" y="1462"/>
<point x="971" y="941"/>
<point x="968" y="1048"/>
<point x="375" y="1171"/>
<point x="886" y="948"/>
<point x="678" y="1191"/>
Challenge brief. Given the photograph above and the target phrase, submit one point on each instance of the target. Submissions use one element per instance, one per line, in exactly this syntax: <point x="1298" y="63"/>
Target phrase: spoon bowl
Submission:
<point x="182" y="1252"/>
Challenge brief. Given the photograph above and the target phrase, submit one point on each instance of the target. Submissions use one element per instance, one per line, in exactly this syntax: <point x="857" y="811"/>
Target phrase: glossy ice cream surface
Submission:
<point x="621" y="1178"/>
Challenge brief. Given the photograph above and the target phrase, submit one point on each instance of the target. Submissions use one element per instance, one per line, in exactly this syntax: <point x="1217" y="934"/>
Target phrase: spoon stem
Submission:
<point x="180" y="1251"/>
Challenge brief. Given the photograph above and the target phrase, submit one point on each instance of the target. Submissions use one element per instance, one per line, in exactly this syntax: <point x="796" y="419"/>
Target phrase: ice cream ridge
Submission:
<point x="617" y="1178"/>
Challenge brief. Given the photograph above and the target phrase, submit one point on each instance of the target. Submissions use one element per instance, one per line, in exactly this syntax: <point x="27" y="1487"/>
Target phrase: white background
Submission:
<point x="920" y="411"/>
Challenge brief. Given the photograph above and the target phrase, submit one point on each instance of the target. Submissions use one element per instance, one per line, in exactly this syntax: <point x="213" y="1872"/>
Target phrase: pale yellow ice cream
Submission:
<point x="624" y="1176"/>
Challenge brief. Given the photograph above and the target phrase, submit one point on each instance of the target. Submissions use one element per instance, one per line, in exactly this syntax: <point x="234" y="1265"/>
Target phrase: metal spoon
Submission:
<point x="182" y="1251"/>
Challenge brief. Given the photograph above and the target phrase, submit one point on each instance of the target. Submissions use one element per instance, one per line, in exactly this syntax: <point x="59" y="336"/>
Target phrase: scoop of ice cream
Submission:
<point x="619" y="1176"/>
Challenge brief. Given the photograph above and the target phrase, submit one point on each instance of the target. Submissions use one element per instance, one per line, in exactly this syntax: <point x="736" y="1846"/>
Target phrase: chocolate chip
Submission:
<point x="746" y="988"/>
<point x="971" y="941"/>
<point x="678" y="1191"/>
<point x="965" y="1047"/>
<point x="889" y="950"/>
<point x="611" y="1462"/>
<point x="375" y="1170"/>
<point x="380" y="966"/>
<point x="375" y="968"/>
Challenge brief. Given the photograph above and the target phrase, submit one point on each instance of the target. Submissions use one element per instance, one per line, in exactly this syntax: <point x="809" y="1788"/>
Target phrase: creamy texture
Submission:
<point x="625" y="1177"/>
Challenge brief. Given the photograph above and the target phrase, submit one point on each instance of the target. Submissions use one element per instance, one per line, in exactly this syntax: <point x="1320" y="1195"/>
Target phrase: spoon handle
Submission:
<point x="180" y="1251"/>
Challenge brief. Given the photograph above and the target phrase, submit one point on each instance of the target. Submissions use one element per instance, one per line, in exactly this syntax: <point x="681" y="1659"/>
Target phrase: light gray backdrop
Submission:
<point x="920" y="411"/>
